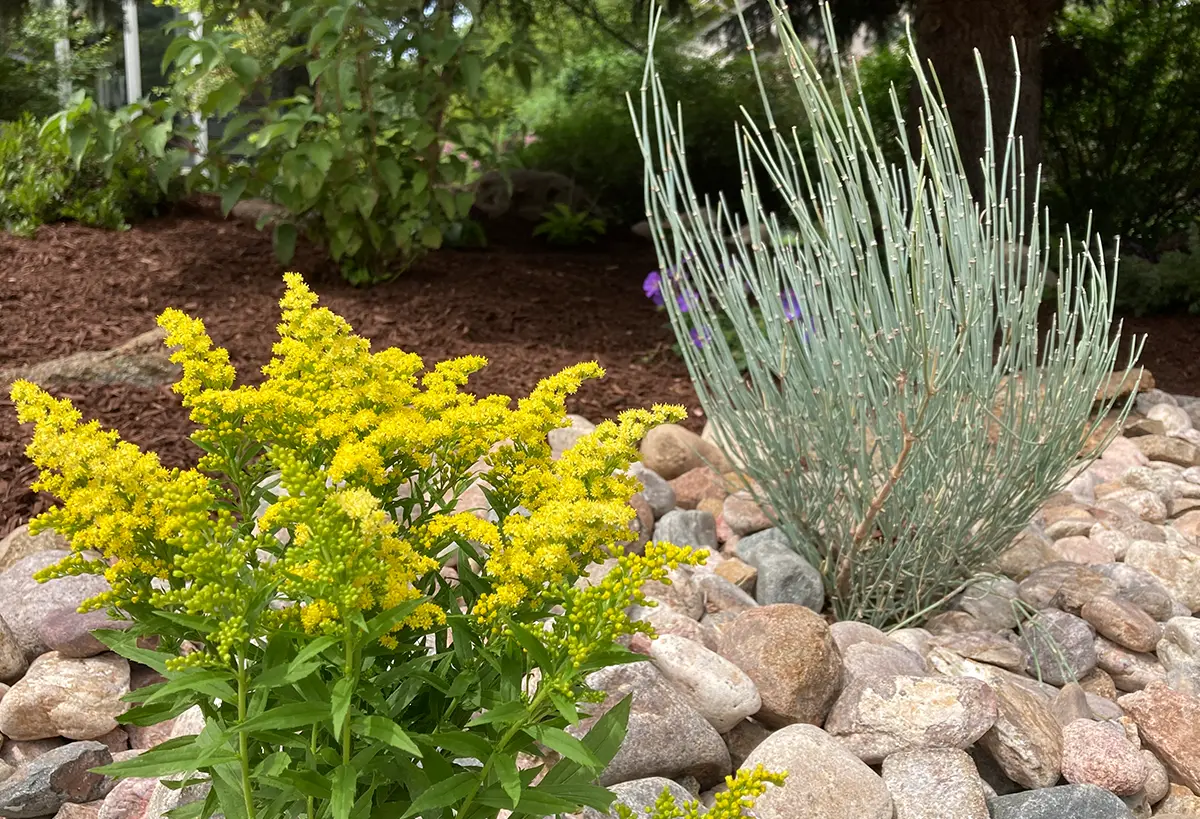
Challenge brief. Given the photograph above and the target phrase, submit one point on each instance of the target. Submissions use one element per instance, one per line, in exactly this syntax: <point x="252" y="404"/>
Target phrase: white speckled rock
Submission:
<point x="73" y="698"/>
<point x="935" y="783"/>
<point x="719" y="690"/>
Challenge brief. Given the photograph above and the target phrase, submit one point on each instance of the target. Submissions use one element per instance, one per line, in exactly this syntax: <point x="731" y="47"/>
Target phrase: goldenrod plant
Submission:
<point x="896" y="405"/>
<point x="731" y="803"/>
<point x="343" y="669"/>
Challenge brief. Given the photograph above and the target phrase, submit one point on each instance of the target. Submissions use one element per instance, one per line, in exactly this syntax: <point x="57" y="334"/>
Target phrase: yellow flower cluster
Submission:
<point x="732" y="803"/>
<point x="372" y="452"/>
<point x="595" y="616"/>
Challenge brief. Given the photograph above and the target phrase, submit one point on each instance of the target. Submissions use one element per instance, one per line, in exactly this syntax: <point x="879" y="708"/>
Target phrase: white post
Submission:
<point x="133" y="54"/>
<point x="202" y="143"/>
<point x="62" y="53"/>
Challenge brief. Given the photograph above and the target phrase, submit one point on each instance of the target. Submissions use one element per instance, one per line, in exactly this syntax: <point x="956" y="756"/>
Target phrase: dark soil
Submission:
<point x="531" y="311"/>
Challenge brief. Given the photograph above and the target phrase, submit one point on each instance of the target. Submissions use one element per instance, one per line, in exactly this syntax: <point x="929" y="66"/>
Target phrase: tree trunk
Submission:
<point x="947" y="34"/>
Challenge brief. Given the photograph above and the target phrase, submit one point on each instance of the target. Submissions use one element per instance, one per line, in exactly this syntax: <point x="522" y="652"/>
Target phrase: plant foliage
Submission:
<point x="40" y="183"/>
<point x="911" y="423"/>
<point x="300" y="579"/>
<point x="1122" y="98"/>
<point x="563" y="226"/>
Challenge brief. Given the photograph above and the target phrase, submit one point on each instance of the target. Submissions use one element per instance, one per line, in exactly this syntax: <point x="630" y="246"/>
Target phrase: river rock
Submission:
<point x="1063" y="585"/>
<point x="681" y="593"/>
<point x="128" y="799"/>
<point x="1169" y="724"/>
<point x="1099" y="754"/>
<point x="687" y="527"/>
<point x="1180" y="645"/>
<point x="1059" y="647"/>
<point x="743" y="514"/>
<point x="722" y="595"/>
<point x="719" y="690"/>
<point x="19" y="544"/>
<point x="991" y="602"/>
<point x="1026" y="740"/>
<point x="670" y="450"/>
<point x="985" y="647"/>
<point x="698" y="485"/>
<point x="880" y="715"/>
<point x="640" y="796"/>
<point x="1122" y="622"/>
<point x="1178" y="569"/>
<point x="563" y="438"/>
<point x="60" y="696"/>
<point x="69" y="632"/>
<point x="1169" y="449"/>
<point x="783" y="575"/>
<point x="1142" y="589"/>
<point x="1063" y="802"/>
<point x="666" y="736"/>
<point x="824" y="780"/>
<point x="788" y="652"/>
<point x="744" y="738"/>
<point x="63" y="775"/>
<point x="27" y="602"/>
<point x="1129" y="670"/>
<point x="935" y="783"/>
<point x="656" y="491"/>
<point x="12" y="656"/>
<point x="861" y="660"/>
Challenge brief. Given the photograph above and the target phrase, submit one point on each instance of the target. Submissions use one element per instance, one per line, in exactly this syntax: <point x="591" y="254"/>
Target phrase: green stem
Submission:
<point x="312" y="749"/>
<point x="516" y="728"/>
<point x="243" y="738"/>
<point x="348" y="673"/>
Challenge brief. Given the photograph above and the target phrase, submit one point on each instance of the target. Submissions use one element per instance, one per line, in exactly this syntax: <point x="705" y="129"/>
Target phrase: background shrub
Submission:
<point x="1122" y="104"/>
<point x="40" y="183"/>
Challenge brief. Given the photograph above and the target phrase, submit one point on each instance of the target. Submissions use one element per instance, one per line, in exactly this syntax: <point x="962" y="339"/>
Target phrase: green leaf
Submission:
<point x="285" y="242"/>
<point x="383" y="622"/>
<point x="226" y="781"/>
<point x="155" y="139"/>
<point x="532" y="645"/>
<point x="443" y="793"/>
<point x="125" y="644"/>
<point x="510" y="777"/>
<point x="232" y="194"/>
<point x="343" y="691"/>
<point x="211" y="682"/>
<point x="286" y="674"/>
<point x="472" y="68"/>
<point x="568" y="746"/>
<point x="223" y="99"/>
<point x="431" y="237"/>
<point x="385" y="730"/>
<point x="506" y="714"/>
<point x="344" y="782"/>
<point x="603" y="741"/>
<point x="165" y="761"/>
<point x="446" y="199"/>
<point x="420" y="181"/>
<point x="292" y="715"/>
<point x="393" y="177"/>
<point x="460" y="743"/>
<point x="192" y="622"/>
<point x="565" y="707"/>
<point x="320" y="154"/>
<point x="246" y="67"/>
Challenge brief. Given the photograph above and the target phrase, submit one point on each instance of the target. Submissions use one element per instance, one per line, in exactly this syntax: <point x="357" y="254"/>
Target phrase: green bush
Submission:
<point x="1122" y="103"/>
<point x="1168" y="285"/>
<point x="40" y="183"/>
<point x="896" y="403"/>
<point x="581" y="118"/>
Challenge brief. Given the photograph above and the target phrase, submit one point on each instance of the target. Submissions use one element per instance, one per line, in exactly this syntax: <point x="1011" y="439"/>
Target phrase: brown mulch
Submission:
<point x="529" y="310"/>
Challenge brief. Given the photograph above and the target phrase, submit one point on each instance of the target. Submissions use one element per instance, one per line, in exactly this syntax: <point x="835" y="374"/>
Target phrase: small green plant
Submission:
<point x="369" y="644"/>
<point x="41" y="183"/>
<point x="566" y="227"/>
<point x="912" y="423"/>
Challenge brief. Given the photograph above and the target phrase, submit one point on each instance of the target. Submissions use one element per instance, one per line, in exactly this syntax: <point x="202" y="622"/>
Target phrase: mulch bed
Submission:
<point x="529" y="310"/>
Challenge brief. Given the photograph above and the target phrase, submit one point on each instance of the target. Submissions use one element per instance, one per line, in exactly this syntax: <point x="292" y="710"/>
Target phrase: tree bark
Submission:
<point x="947" y="34"/>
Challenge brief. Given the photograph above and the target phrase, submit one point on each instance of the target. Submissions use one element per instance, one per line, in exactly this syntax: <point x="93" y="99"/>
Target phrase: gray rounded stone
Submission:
<point x="26" y="602"/>
<point x="935" y="783"/>
<point x="687" y="527"/>
<point x="783" y="575"/>
<point x="640" y="795"/>
<point x="1063" y="802"/>
<point x="655" y="489"/>
<point x="51" y="780"/>
<point x="1059" y="647"/>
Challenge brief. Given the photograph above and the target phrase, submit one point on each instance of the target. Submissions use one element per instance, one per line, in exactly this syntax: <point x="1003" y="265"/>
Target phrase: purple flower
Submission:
<point x="652" y="287"/>
<point x="701" y="336"/>
<point x="791" y="305"/>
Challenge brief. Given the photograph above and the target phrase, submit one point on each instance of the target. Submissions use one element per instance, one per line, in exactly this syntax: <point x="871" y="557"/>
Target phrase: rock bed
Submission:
<point x="1090" y="710"/>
